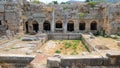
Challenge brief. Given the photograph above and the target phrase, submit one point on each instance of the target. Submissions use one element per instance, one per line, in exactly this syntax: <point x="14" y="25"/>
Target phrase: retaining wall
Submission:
<point x="89" y="61"/>
<point x="15" y="61"/>
<point x="64" y="36"/>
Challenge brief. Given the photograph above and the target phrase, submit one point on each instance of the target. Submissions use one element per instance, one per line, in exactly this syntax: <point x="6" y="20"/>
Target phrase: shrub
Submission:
<point x="67" y="45"/>
<point x="81" y="15"/>
<point x="92" y="4"/>
<point x="58" y="51"/>
<point x="74" y="53"/>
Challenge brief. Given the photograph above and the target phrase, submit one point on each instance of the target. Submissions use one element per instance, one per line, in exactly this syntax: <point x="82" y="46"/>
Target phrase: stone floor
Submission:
<point x="101" y="45"/>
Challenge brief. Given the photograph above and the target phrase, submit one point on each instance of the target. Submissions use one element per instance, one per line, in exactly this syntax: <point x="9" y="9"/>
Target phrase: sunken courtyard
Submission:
<point x="70" y="34"/>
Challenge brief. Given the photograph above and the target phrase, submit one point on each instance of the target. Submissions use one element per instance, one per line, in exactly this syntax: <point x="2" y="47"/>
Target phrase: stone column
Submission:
<point x="76" y="26"/>
<point x="87" y="26"/>
<point x="65" y="24"/>
<point x="52" y="25"/>
<point x="40" y="26"/>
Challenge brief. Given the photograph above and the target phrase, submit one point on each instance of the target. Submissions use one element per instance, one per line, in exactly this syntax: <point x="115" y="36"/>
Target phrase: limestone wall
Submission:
<point x="64" y="36"/>
<point x="88" y="61"/>
<point x="15" y="61"/>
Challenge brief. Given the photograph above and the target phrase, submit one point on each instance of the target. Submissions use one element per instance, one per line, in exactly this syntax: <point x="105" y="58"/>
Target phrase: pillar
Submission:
<point x="52" y="25"/>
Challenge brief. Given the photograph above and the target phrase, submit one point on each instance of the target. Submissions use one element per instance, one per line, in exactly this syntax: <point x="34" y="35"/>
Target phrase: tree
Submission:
<point x="55" y="2"/>
<point x="87" y="1"/>
<point x="63" y="3"/>
<point x="92" y="4"/>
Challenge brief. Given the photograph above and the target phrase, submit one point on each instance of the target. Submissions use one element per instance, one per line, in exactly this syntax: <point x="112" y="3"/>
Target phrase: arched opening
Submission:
<point x="82" y="26"/>
<point x="26" y="24"/>
<point x="70" y="26"/>
<point x="0" y="23"/>
<point x="58" y="24"/>
<point x="46" y="26"/>
<point x="93" y="25"/>
<point x="35" y="27"/>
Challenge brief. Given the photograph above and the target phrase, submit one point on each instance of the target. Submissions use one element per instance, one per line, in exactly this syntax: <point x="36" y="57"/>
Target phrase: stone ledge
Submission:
<point x="12" y="58"/>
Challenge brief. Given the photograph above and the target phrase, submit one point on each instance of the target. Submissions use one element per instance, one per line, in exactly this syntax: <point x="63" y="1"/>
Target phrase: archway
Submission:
<point x="0" y="23"/>
<point x="82" y="26"/>
<point x="35" y="27"/>
<point x="46" y="26"/>
<point x="58" y="24"/>
<point x="26" y="24"/>
<point x="70" y="26"/>
<point x="93" y="25"/>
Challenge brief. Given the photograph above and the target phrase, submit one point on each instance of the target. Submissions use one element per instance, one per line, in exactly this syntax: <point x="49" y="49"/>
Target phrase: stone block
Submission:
<point x="118" y="43"/>
<point x="53" y="62"/>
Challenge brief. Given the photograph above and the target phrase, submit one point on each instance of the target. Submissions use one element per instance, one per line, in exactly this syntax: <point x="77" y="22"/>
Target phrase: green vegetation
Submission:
<point x="87" y="1"/>
<point x="74" y="53"/>
<point x="72" y="44"/>
<point x="67" y="45"/>
<point x="64" y="8"/>
<point x="70" y="47"/>
<point x="81" y="15"/>
<point x="35" y="1"/>
<point x="63" y="2"/>
<point x="55" y="2"/>
<point x="58" y="51"/>
<point x="92" y="4"/>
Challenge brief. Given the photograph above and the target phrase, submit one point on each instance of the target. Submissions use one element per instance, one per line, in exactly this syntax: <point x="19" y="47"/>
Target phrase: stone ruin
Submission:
<point x="111" y="60"/>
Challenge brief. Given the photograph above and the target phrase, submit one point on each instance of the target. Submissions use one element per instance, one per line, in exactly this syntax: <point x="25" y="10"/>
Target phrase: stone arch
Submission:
<point x="70" y="26"/>
<point x="46" y="26"/>
<point x="82" y="25"/>
<point x="59" y="24"/>
<point x="31" y="26"/>
<point x="93" y="25"/>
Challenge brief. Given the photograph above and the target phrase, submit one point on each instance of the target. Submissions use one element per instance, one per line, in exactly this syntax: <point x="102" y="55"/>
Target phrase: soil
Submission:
<point x="52" y="46"/>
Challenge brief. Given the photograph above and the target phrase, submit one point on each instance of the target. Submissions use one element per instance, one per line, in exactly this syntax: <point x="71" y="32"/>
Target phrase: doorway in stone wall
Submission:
<point x="26" y="24"/>
<point x="93" y="25"/>
<point x="36" y="27"/>
<point x="82" y="26"/>
<point x="46" y="26"/>
<point x="58" y="26"/>
<point x="70" y="27"/>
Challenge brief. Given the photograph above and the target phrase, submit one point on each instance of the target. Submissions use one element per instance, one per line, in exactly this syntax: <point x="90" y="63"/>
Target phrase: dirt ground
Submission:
<point x="52" y="47"/>
<point x="109" y="42"/>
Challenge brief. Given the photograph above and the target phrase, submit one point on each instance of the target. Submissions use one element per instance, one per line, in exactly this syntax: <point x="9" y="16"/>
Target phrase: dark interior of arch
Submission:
<point x="81" y="26"/>
<point x="46" y="26"/>
<point x="58" y="25"/>
<point x="93" y="26"/>
<point x="36" y="27"/>
<point x="70" y="27"/>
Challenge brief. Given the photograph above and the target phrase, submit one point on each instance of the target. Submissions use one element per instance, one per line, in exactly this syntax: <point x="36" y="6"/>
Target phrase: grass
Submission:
<point x="58" y="52"/>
